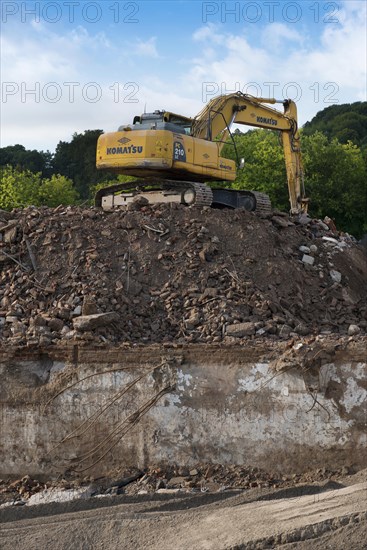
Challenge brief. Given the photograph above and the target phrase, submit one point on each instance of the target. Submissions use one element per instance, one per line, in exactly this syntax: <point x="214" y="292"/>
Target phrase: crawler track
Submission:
<point x="186" y="192"/>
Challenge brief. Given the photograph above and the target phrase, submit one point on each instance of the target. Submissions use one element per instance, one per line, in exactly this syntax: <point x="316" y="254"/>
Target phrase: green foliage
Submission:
<point x="24" y="159"/>
<point x="335" y="175"/>
<point x="264" y="168"/>
<point x="24" y="188"/>
<point x="336" y="181"/>
<point x="77" y="161"/>
<point x="347" y="122"/>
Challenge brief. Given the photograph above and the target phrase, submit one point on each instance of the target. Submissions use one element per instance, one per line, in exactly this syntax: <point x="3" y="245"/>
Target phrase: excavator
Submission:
<point x="174" y="157"/>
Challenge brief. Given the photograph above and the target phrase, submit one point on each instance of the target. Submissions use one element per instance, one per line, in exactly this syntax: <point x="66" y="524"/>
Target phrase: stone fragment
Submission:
<point x="91" y="322"/>
<point x="5" y="215"/>
<point x="302" y="329"/>
<point x="193" y="320"/>
<point x="64" y="313"/>
<point x="210" y="292"/>
<point x="330" y="223"/>
<point x="304" y="249"/>
<point x="284" y="330"/>
<point x="309" y="260"/>
<point x="335" y="275"/>
<point x="137" y="203"/>
<point x="313" y="248"/>
<point x="56" y="325"/>
<point x="323" y="225"/>
<point x="353" y="330"/>
<point x="241" y="329"/>
<point x="89" y="306"/>
<point x="330" y="240"/>
<point x="11" y="319"/>
<point x="160" y="485"/>
<point x="280" y="222"/>
<point x="176" y="481"/>
<point x="304" y="219"/>
<point x="202" y="256"/>
<point x="10" y="235"/>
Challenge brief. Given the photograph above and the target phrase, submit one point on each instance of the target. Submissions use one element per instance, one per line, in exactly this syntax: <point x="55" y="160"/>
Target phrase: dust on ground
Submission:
<point x="328" y="514"/>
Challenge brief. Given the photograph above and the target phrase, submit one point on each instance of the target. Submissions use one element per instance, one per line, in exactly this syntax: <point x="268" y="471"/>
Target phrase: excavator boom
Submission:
<point x="217" y="117"/>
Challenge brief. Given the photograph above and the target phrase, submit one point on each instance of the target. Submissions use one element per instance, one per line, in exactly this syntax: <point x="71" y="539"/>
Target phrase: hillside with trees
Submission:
<point x="347" y="122"/>
<point x="334" y="149"/>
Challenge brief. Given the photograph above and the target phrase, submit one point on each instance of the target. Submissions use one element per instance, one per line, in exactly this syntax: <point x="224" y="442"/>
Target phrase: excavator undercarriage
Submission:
<point x="182" y="192"/>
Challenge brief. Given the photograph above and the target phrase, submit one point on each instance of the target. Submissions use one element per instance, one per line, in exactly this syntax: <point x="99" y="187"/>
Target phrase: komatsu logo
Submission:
<point x="132" y="149"/>
<point x="264" y="120"/>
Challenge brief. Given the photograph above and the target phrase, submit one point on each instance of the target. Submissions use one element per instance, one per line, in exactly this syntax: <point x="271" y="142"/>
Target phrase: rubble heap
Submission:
<point x="169" y="273"/>
<point x="204" y="478"/>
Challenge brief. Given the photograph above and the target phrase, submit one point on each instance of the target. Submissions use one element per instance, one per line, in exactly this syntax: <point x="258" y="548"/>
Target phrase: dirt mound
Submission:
<point x="168" y="273"/>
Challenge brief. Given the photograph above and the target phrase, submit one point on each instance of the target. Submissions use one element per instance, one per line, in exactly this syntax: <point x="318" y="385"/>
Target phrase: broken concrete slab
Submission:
<point x="91" y="322"/>
<point x="241" y="329"/>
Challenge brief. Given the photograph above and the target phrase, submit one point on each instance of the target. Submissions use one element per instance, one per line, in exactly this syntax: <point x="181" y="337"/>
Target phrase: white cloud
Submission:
<point x="209" y="32"/>
<point x="147" y="48"/>
<point x="50" y="82"/>
<point x="317" y="73"/>
<point x="223" y="60"/>
<point x="275" y="35"/>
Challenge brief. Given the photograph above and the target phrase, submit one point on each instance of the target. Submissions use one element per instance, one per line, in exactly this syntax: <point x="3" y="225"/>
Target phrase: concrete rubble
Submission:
<point x="173" y="274"/>
<point x="206" y="478"/>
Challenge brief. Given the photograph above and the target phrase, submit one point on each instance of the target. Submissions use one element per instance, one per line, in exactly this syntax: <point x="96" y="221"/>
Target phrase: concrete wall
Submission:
<point x="178" y="405"/>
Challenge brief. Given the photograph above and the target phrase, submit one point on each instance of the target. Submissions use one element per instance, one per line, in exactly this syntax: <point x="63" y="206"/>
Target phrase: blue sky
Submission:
<point x="67" y="66"/>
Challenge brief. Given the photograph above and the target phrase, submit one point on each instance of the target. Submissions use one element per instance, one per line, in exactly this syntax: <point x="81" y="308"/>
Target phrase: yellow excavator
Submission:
<point x="174" y="157"/>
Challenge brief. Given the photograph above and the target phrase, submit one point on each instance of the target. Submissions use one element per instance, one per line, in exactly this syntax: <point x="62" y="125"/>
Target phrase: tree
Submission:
<point x="336" y="181"/>
<point x="264" y="165"/>
<point x="335" y="175"/>
<point x="346" y="122"/>
<point x="24" y="188"/>
<point x="77" y="160"/>
<point x="24" y="159"/>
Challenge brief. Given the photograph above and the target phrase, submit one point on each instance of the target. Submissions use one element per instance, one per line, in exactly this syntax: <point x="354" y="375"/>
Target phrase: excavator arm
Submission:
<point x="213" y="123"/>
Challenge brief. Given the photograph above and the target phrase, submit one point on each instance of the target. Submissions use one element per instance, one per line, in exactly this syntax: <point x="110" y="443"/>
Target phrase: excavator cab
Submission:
<point x="160" y="120"/>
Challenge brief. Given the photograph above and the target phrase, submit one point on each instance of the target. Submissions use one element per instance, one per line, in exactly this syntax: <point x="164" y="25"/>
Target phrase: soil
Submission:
<point x="328" y="515"/>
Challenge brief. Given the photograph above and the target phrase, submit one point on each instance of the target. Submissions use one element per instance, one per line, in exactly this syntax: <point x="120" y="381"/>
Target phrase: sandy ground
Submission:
<point x="333" y="516"/>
